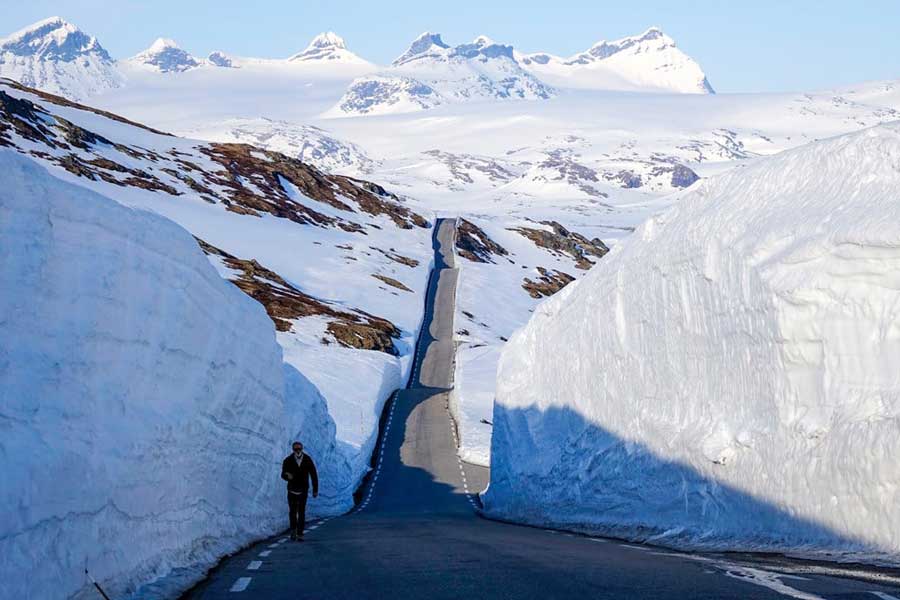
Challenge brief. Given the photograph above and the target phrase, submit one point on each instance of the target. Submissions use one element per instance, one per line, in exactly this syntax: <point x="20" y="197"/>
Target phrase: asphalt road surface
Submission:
<point x="416" y="532"/>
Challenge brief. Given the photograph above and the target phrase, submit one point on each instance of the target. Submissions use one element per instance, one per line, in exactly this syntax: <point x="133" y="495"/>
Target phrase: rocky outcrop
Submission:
<point x="284" y="304"/>
<point x="560" y="241"/>
<point x="548" y="283"/>
<point x="474" y="244"/>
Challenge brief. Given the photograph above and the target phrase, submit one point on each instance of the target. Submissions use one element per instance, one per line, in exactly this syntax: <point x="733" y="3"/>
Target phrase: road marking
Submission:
<point x="254" y="565"/>
<point x="241" y="584"/>
<point x="265" y="554"/>
<point x="284" y="539"/>
<point x="273" y="545"/>
<point x="598" y="540"/>
<point x="884" y="596"/>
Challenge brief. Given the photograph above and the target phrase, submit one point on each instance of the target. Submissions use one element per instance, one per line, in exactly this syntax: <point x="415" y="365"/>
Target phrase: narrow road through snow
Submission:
<point x="417" y="534"/>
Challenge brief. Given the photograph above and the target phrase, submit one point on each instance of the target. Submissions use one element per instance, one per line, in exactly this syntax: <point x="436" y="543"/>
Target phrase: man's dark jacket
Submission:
<point x="301" y="473"/>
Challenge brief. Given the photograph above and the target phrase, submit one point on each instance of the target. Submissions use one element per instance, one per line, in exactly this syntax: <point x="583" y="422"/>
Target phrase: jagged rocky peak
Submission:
<point x="426" y="45"/>
<point x="53" y="39"/>
<point x="165" y="56"/>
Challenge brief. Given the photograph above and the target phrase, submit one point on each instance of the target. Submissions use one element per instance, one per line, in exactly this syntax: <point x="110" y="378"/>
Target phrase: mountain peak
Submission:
<point x="165" y="56"/>
<point x="648" y="61"/>
<point x="53" y="39"/>
<point x="327" y="46"/>
<point x="427" y="44"/>
<point x="327" y="39"/>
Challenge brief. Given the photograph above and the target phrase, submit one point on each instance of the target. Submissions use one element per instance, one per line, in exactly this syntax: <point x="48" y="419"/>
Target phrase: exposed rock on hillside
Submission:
<point x="285" y="304"/>
<point x="548" y="283"/>
<point x="474" y="244"/>
<point x="560" y="240"/>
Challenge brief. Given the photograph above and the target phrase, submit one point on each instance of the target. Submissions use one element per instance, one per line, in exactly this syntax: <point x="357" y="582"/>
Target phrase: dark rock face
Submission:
<point x="474" y="244"/>
<point x="220" y="59"/>
<point x="548" y="283"/>
<point x="627" y="179"/>
<point x="284" y="304"/>
<point x="561" y="241"/>
<point x="683" y="177"/>
<point x="171" y="60"/>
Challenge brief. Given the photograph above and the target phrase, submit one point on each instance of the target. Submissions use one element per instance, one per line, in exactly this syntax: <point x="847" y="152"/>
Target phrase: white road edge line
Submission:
<point x="884" y="596"/>
<point x="241" y="584"/>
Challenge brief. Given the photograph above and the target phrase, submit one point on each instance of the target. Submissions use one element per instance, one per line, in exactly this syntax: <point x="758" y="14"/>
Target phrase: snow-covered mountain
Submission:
<point x="727" y="377"/>
<point x="56" y="56"/>
<point x="647" y="62"/>
<point x="328" y="47"/>
<point x="431" y="73"/>
<point x="165" y="56"/>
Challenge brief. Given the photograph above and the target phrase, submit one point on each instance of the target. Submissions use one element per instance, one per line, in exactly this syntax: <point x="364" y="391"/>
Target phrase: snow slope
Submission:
<point x="727" y="377"/>
<point x="144" y="404"/>
<point x="56" y="56"/>
<point x="649" y="62"/>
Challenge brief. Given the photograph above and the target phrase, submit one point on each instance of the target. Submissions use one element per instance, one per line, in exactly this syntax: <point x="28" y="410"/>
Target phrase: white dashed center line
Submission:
<point x="241" y="584"/>
<point x="265" y="554"/>
<point x="254" y="565"/>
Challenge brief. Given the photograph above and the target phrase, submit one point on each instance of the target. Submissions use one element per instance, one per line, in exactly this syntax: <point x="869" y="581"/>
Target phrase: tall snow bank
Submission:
<point x="143" y="414"/>
<point x="729" y="376"/>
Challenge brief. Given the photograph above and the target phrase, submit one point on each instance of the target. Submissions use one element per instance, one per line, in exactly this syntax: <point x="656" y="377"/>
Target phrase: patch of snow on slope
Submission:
<point x="727" y="377"/>
<point x="144" y="403"/>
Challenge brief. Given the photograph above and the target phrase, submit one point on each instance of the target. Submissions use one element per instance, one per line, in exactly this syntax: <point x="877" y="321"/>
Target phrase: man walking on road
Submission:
<point x="297" y="469"/>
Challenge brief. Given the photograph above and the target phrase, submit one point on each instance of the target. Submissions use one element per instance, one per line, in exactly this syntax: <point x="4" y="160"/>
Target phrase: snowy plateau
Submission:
<point x="652" y="228"/>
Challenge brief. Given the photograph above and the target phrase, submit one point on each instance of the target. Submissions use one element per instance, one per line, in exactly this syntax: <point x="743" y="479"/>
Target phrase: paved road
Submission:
<point x="416" y="532"/>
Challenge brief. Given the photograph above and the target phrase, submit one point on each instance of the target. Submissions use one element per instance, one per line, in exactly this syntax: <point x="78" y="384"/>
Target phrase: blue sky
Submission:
<point x="744" y="46"/>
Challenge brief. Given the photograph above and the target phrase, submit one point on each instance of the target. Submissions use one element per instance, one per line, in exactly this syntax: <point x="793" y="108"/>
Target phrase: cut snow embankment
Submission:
<point x="144" y="404"/>
<point x="727" y="378"/>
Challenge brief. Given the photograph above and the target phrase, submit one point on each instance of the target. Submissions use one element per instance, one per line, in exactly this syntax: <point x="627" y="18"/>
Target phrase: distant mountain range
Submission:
<point x="56" y="56"/>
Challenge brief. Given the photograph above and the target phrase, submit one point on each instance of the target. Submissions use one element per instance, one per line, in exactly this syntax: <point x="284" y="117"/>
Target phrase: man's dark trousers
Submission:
<point x="297" y="507"/>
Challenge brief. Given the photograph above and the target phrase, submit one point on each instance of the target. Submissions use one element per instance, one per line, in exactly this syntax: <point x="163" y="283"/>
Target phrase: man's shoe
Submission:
<point x="293" y="536"/>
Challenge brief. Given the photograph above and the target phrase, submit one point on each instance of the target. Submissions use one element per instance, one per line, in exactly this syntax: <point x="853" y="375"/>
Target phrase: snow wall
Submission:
<point x="144" y="405"/>
<point x="729" y="377"/>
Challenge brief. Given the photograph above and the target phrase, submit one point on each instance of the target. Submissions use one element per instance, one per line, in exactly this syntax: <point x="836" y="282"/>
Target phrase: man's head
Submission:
<point x="297" y="447"/>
